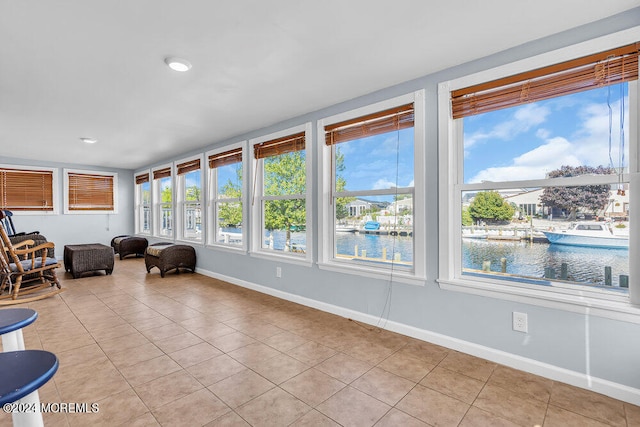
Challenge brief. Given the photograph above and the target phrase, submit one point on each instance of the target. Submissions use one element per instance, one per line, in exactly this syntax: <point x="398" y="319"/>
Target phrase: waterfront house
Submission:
<point x="313" y="336"/>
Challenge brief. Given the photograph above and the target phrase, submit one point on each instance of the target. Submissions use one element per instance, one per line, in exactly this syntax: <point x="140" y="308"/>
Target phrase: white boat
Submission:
<point x="340" y="228"/>
<point x="589" y="234"/>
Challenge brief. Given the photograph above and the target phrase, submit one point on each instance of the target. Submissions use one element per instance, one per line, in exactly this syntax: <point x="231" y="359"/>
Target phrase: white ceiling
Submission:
<point x="94" y="68"/>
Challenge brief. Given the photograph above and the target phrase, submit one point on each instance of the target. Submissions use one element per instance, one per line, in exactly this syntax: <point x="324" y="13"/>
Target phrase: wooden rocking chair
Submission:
<point x="22" y="263"/>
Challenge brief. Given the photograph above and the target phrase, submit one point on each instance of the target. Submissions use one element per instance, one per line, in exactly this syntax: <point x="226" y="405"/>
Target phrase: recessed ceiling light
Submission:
<point x="178" y="64"/>
<point x="89" y="140"/>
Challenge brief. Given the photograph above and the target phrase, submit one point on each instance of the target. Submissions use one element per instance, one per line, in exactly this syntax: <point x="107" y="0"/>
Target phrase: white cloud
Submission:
<point x="383" y="184"/>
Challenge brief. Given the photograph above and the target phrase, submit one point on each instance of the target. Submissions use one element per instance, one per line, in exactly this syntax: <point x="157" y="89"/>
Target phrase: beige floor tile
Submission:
<point x="164" y="331"/>
<point x="407" y="366"/>
<point x="470" y="366"/>
<point x="279" y="368"/>
<point x="384" y="386"/>
<point x="476" y="417"/>
<point x="314" y="418"/>
<point x="101" y="384"/>
<point x="536" y="387"/>
<point x="214" y="330"/>
<point x="273" y="408"/>
<point x="311" y="353"/>
<point x="149" y="370"/>
<point x="169" y="388"/>
<point x="433" y="407"/>
<point x="232" y="341"/>
<point x="453" y="384"/>
<point x="216" y="369"/>
<point x="430" y="353"/>
<point x="344" y="367"/>
<point x="353" y="408"/>
<point x="284" y="341"/>
<point x="395" y="418"/>
<point x="558" y="417"/>
<point x="254" y="353"/>
<point x="514" y="406"/>
<point x="633" y="414"/>
<point x="177" y="342"/>
<point x="146" y="420"/>
<point x="122" y="343"/>
<point x="117" y="409"/>
<point x="195" y="354"/>
<point x="588" y="403"/>
<point x="312" y="386"/>
<point x="231" y="419"/>
<point x="241" y="388"/>
<point x="133" y="356"/>
<point x="195" y="409"/>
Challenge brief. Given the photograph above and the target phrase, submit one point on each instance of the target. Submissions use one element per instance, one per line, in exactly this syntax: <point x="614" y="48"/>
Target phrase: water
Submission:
<point x="585" y="265"/>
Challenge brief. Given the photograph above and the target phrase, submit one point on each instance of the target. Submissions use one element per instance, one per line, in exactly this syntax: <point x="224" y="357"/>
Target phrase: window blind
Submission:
<point x="26" y="190"/>
<point x="225" y="158"/>
<point x="141" y="179"/>
<point x="190" y="166"/>
<point x="90" y="192"/>
<point x="276" y="147"/>
<point x="589" y="72"/>
<point x="393" y="119"/>
<point x="161" y="173"/>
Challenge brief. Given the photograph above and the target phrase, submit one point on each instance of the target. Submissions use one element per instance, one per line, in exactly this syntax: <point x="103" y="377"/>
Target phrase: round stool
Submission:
<point x="23" y="373"/>
<point x="12" y="320"/>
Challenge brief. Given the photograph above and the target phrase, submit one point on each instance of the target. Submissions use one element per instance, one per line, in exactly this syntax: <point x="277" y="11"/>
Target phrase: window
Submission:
<point x="281" y="202"/>
<point x="27" y="189"/>
<point x="226" y="185"/>
<point x="143" y="203"/>
<point x="540" y="169"/>
<point x="163" y="202"/>
<point x="90" y="192"/>
<point x="189" y="184"/>
<point x="372" y="188"/>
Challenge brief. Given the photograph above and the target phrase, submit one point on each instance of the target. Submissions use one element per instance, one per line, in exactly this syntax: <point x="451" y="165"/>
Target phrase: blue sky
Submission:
<point x="528" y="141"/>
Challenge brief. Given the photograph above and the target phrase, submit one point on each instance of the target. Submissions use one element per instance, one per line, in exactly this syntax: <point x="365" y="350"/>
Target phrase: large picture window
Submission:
<point x="163" y="202"/>
<point x="90" y="192"/>
<point x="25" y="189"/>
<point x="226" y="178"/>
<point x="143" y="203"/>
<point x="189" y="182"/>
<point x="540" y="192"/>
<point x="280" y="200"/>
<point x="370" y="161"/>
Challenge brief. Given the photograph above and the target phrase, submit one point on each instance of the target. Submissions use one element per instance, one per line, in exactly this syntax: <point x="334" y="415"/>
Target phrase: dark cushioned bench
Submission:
<point x="168" y="256"/>
<point x="129" y="245"/>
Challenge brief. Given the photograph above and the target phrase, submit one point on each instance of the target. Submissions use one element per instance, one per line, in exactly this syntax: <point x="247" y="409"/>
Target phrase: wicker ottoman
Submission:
<point x="167" y="256"/>
<point x="129" y="245"/>
<point x="88" y="257"/>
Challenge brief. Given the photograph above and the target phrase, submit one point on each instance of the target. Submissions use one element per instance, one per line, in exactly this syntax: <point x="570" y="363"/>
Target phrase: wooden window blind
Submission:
<point x="226" y="158"/>
<point x="161" y="173"/>
<point x="90" y="192"/>
<point x="26" y="190"/>
<point x="141" y="179"/>
<point x="190" y="166"/>
<point x="393" y="119"/>
<point x="589" y="72"/>
<point x="276" y="147"/>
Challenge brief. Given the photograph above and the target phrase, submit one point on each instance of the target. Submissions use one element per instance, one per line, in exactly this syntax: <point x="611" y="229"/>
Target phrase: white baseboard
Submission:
<point x="578" y="379"/>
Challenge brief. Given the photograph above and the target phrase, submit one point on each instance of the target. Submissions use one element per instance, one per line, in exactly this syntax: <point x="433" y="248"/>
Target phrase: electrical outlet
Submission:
<point x="278" y="272"/>
<point x="520" y="323"/>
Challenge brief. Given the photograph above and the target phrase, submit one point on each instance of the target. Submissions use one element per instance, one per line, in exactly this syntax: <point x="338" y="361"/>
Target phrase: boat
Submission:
<point x="372" y="225"/>
<point x="343" y="228"/>
<point x="589" y="234"/>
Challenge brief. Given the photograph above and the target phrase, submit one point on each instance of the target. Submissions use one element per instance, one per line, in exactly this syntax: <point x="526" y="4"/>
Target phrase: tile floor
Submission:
<point x="188" y="350"/>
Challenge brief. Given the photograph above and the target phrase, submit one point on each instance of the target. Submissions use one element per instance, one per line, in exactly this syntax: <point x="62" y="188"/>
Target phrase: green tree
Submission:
<point x="192" y="193"/>
<point x="490" y="206"/>
<point x="285" y="175"/>
<point x="166" y="194"/>
<point x="466" y="217"/>
<point x="231" y="213"/>
<point x="590" y="197"/>
<point x="341" y="185"/>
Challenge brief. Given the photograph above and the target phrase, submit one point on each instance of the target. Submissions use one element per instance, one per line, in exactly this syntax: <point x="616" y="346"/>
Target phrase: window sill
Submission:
<point x="291" y="259"/>
<point x="616" y="308"/>
<point x="395" y="275"/>
<point x="227" y="248"/>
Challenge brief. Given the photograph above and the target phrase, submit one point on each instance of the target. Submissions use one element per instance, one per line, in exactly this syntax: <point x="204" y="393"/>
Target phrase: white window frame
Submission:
<point x="580" y="299"/>
<point x="256" y="199"/>
<point x="66" y="173"/>
<point x="180" y="202"/>
<point x="156" y="201"/>
<point x="327" y="222"/>
<point x="54" y="184"/>
<point x="213" y="201"/>
<point x="139" y="205"/>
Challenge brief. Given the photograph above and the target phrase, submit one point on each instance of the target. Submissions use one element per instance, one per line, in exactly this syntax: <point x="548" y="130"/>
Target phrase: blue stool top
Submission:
<point x="12" y="319"/>
<point x="24" y="372"/>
